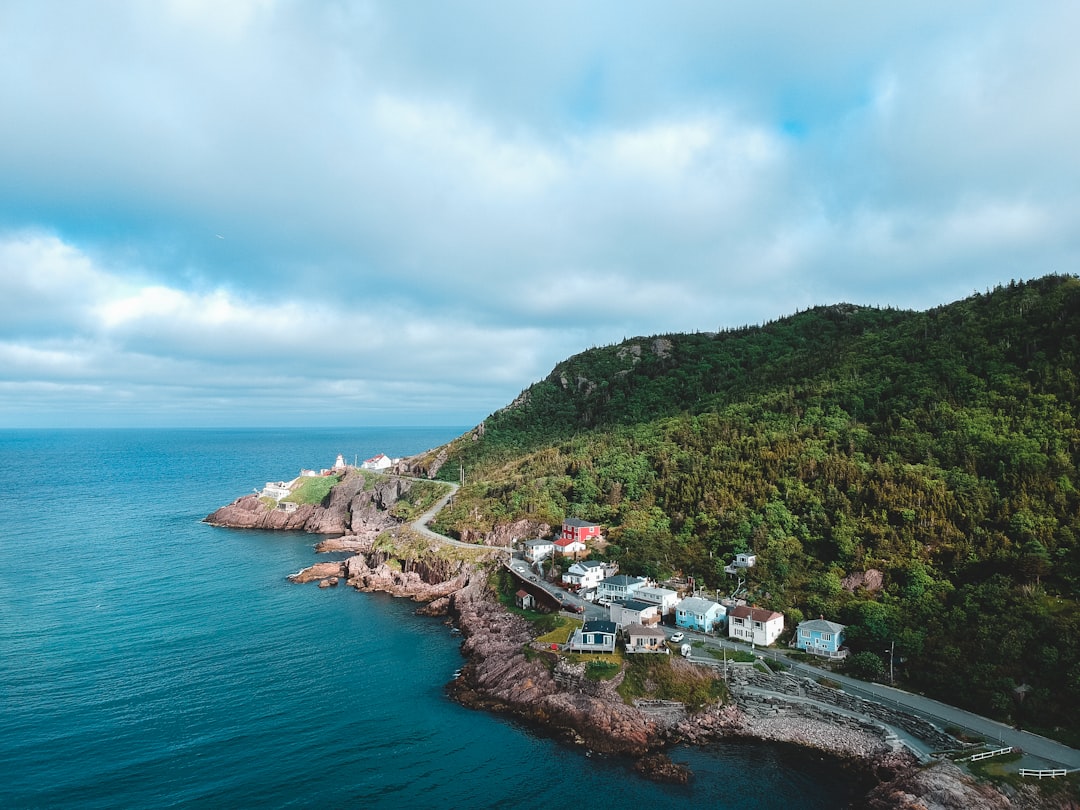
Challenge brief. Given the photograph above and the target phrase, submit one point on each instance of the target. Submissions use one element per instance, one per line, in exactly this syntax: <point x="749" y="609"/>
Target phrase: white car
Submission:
<point x="676" y="638"/>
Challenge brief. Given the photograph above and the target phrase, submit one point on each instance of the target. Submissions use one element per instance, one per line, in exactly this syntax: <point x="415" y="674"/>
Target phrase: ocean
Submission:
<point x="150" y="660"/>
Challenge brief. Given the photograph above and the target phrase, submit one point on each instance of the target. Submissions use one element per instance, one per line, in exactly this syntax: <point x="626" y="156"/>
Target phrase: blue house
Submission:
<point x="821" y="637"/>
<point x="695" y="613"/>
<point x="594" y="636"/>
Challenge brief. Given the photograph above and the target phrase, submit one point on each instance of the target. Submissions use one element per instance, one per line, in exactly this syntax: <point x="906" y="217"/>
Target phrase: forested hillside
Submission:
<point x="939" y="448"/>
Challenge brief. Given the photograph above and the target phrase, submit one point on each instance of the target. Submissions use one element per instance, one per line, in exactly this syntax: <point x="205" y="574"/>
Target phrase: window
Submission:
<point x="826" y="636"/>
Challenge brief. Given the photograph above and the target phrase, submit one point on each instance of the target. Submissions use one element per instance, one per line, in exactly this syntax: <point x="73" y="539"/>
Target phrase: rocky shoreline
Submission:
<point x="506" y="672"/>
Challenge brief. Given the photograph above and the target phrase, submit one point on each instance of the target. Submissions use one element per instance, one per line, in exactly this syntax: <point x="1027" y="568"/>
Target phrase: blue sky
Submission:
<point x="395" y="213"/>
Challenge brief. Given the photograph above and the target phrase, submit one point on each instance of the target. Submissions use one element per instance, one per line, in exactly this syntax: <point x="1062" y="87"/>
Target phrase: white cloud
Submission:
<point x="422" y="202"/>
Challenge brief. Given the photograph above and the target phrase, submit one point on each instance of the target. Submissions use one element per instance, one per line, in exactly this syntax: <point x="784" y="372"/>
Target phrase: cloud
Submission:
<point x="418" y="208"/>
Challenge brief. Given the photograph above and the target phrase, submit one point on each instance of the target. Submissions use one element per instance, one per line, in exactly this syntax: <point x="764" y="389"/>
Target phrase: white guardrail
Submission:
<point x="987" y="754"/>
<point x="1041" y="774"/>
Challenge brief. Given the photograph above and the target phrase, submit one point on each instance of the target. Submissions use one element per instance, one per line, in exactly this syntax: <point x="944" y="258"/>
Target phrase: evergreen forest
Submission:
<point x="912" y="475"/>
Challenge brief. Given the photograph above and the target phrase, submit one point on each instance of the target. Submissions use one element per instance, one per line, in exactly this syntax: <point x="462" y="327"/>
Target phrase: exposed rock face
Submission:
<point x="504" y="535"/>
<point x="350" y="508"/>
<point x="499" y="676"/>
<point x="422" y="580"/>
<point x="318" y="571"/>
<point x="943" y="786"/>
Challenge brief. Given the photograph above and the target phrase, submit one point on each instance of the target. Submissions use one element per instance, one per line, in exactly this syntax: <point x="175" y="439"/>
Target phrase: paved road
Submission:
<point x="420" y="525"/>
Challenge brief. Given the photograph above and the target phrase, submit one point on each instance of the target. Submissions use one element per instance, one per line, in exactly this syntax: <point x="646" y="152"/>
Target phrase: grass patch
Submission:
<point x="654" y="677"/>
<point x="602" y="670"/>
<point x="828" y="683"/>
<point x="420" y="497"/>
<point x="313" y="490"/>
<point x="559" y="634"/>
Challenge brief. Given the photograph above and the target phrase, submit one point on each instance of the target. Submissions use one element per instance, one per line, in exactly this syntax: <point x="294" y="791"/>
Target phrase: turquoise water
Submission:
<point x="150" y="660"/>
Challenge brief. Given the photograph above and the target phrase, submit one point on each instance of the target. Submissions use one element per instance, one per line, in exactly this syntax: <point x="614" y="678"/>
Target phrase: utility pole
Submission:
<point x="892" y="650"/>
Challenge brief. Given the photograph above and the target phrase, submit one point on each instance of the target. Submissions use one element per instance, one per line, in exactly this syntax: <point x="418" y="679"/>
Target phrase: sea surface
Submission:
<point x="150" y="660"/>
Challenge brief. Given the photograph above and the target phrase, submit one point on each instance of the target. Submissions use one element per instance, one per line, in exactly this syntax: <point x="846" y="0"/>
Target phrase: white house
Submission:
<point x="379" y="462"/>
<point x="755" y="625"/>
<point x="663" y="598"/>
<point x="641" y="639"/>
<point x="631" y="611"/>
<point x="276" y="490"/>
<point x="741" y="563"/>
<point x="538" y="549"/>
<point x="594" y="636"/>
<point x="697" y="613"/>
<point x="584" y="574"/>
<point x="618" y="587"/>
<point x="569" y="547"/>
<point x="524" y="600"/>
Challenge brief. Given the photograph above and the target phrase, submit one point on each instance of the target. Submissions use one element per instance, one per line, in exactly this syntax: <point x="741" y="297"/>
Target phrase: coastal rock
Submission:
<point x="943" y="786"/>
<point x="318" y="571"/>
<point x="252" y="512"/>
<point x="356" y="505"/>
<point x="423" y="580"/>
<point x="352" y="542"/>
<point x="660" y="768"/>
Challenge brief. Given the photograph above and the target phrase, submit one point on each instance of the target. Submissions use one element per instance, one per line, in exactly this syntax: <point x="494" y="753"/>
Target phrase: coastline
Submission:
<point x="506" y="673"/>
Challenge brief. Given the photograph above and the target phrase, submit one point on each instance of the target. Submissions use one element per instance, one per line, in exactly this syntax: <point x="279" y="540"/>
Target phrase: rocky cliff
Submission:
<point x="354" y="506"/>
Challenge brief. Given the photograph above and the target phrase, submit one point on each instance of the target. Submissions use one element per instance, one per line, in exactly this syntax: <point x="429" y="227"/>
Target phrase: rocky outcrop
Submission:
<point x="501" y="676"/>
<point x="423" y="580"/>
<point x="505" y="534"/>
<point x="323" y="570"/>
<point x="943" y="786"/>
<point x="355" y="506"/>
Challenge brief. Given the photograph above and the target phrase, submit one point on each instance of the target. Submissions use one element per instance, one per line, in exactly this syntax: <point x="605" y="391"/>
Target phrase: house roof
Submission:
<point x="622" y="579"/>
<point x="634" y="604"/>
<point x="576" y="523"/>
<point x="822" y="626"/>
<point x="522" y="594"/>
<point x="538" y="542"/>
<point x="636" y="629"/>
<point x="585" y="565"/>
<point x="660" y="592"/>
<point x="598" y="626"/>
<point x="696" y="604"/>
<point x="566" y="541"/>
<point x="754" y="613"/>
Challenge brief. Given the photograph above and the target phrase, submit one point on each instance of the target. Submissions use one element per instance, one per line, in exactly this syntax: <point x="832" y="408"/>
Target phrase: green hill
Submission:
<point x="938" y="448"/>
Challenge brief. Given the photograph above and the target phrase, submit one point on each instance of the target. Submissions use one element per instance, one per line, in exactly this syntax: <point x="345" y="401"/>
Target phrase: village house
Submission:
<point x="276" y="490"/>
<point x="698" y="613"/>
<point x="641" y="639"/>
<point x="538" y="549"/>
<point x="664" y="598"/>
<point x="379" y="462"/>
<point x="584" y="574"/>
<point x="755" y="625"/>
<point x="524" y="600"/>
<point x="821" y="637"/>
<point x="582" y="530"/>
<point x="631" y="611"/>
<point x="594" y="636"/>
<point x="569" y="547"/>
<point x="618" y="587"/>
<point x="741" y="563"/>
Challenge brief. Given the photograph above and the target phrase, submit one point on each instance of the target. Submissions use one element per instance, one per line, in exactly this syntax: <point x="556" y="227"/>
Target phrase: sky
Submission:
<point x="285" y="213"/>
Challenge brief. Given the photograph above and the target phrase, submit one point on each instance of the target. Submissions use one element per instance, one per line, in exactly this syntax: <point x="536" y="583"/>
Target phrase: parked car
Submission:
<point x="677" y="637"/>
<point x="572" y="607"/>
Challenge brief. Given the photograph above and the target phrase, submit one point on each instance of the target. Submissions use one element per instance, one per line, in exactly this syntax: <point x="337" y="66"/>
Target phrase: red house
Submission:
<point x="580" y="530"/>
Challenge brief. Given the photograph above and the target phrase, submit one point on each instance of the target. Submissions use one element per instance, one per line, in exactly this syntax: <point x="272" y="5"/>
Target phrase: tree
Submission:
<point x="866" y="666"/>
